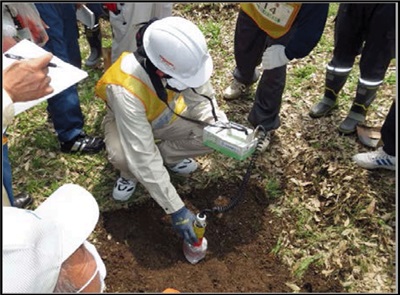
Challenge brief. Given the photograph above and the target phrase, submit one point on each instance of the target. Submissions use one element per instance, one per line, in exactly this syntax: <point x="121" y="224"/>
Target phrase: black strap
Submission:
<point x="150" y="69"/>
<point x="142" y="29"/>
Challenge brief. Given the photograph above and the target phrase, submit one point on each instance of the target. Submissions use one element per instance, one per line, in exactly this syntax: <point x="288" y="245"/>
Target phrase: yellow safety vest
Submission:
<point x="275" y="19"/>
<point x="154" y="106"/>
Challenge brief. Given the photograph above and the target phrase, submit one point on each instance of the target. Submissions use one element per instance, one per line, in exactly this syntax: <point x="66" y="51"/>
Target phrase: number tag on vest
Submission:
<point x="278" y="13"/>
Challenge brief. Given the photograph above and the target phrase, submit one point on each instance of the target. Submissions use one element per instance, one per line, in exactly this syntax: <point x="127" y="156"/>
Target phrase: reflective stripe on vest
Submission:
<point x="275" y="19"/>
<point x="153" y="105"/>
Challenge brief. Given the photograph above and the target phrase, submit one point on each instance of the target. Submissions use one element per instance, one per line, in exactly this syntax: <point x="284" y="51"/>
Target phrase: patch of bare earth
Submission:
<point x="143" y="254"/>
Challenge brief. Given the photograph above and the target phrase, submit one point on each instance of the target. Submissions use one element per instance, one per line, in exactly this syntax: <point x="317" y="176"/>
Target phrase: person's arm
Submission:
<point x="25" y="80"/>
<point x="143" y="157"/>
<point x="310" y="24"/>
<point x="145" y="161"/>
<point x="199" y="107"/>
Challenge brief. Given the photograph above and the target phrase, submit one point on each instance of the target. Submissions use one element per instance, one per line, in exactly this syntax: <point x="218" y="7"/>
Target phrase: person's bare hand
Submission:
<point x="26" y="80"/>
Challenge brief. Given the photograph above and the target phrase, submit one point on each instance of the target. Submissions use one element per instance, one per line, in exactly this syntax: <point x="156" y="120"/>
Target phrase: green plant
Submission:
<point x="272" y="189"/>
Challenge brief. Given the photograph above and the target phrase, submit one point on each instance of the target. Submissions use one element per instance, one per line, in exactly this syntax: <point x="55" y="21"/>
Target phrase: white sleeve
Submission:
<point x="8" y="110"/>
<point x="199" y="107"/>
<point x="142" y="154"/>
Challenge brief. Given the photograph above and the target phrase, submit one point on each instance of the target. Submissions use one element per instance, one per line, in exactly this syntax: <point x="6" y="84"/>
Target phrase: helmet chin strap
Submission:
<point x="155" y="79"/>
<point x="152" y="72"/>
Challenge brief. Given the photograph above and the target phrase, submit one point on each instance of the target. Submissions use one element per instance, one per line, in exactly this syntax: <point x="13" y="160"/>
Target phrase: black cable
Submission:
<point x="202" y="123"/>
<point x="161" y="93"/>
<point x="211" y="102"/>
<point x="239" y="195"/>
<point x="150" y="68"/>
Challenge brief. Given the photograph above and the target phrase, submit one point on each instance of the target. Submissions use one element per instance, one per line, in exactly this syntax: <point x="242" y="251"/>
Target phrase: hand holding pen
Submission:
<point x="28" y="79"/>
<point x="18" y="57"/>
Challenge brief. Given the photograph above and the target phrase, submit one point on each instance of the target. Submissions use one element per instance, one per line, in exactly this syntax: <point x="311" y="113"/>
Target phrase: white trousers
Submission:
<point x="180" y="140"/>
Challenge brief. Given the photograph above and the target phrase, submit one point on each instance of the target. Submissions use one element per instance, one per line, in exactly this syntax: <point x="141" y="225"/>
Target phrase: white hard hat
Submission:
<point x="36" y="243"/>
<point x="177" y="47"/>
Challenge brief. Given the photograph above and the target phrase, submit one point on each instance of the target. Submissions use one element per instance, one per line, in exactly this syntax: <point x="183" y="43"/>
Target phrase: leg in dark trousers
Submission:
<point x="388" y="131"/>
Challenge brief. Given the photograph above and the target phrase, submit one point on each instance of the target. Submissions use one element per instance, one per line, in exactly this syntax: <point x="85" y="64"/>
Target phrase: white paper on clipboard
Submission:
<point x="85" y="16"/>
<point x="62" y="76"/>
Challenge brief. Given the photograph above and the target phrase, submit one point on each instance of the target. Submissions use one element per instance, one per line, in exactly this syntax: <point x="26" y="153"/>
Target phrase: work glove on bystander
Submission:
<point x="182" y="222"/>
<point x="274" y="57"/>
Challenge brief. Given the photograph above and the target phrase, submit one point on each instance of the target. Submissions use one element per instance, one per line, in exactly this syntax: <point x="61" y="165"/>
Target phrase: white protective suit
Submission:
<point x="126" y="24"/>
<point x="139" y="149"/>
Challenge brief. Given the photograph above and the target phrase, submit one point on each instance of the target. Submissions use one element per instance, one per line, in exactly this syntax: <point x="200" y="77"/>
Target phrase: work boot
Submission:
<point x="93" y="37"/>
<point x="334" y="82"/>
<point x="364" y="97"/>
<point x="323" y="108"/>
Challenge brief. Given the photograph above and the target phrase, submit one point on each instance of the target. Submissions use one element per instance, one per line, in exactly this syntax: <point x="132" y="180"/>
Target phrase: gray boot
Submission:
<point x="334" y="82"/>
<point x="93" y="37"/>
<point x="358" y="111"/>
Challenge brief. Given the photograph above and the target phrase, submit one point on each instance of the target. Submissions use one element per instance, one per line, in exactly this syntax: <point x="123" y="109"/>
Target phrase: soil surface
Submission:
<point x="142" y="253"/>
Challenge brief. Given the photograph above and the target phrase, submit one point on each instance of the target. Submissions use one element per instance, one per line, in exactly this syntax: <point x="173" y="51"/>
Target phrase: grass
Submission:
<point x="337" y="216"/>
<point x="272" y="189"/>
<point x="211" y="31"/>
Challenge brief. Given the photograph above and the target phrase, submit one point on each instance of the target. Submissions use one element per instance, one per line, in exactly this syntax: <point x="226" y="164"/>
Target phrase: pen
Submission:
<point x="17" y="57"/>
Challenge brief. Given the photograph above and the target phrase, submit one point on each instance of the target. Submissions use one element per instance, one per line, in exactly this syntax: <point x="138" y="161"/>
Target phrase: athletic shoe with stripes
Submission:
<point x="84" y="144"/>
<point x="375" y="159"/>
<point x="187" y="166"/>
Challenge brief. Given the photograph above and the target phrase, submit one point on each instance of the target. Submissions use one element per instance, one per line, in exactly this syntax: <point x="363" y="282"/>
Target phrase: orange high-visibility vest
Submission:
<point x="154" y="106"/>
<point x="275" y="19"/>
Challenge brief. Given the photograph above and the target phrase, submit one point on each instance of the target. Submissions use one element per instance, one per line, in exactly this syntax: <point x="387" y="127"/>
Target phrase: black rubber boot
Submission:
<point x="93" y="37"/>
<point x="358" y="111"/>
<point x="334" y="82"/>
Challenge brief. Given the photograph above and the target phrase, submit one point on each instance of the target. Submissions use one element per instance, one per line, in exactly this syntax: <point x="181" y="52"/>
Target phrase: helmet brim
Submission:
<point x="201" y="77"/>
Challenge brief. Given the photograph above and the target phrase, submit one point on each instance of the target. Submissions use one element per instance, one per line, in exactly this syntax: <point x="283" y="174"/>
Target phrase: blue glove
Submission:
<point x="182" y="222"/>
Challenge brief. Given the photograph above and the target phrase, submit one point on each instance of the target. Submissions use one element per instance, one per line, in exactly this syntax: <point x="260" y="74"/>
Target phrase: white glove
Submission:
<point x="273" y="57"/>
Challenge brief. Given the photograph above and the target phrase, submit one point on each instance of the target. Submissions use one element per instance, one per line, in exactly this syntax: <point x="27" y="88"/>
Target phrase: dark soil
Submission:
<point x="142" y="253"/>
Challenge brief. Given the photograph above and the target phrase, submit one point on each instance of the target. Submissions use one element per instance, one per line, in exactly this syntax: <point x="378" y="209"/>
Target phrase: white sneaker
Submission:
<point x="375" y="159"/>
<point x="124" y="189"/>
<point x="235" y="90"/>
<point x="185" y="167"/>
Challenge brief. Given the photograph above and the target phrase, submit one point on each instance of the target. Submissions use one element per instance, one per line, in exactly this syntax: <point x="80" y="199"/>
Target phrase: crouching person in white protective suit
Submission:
<point x="158" y="99"/>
